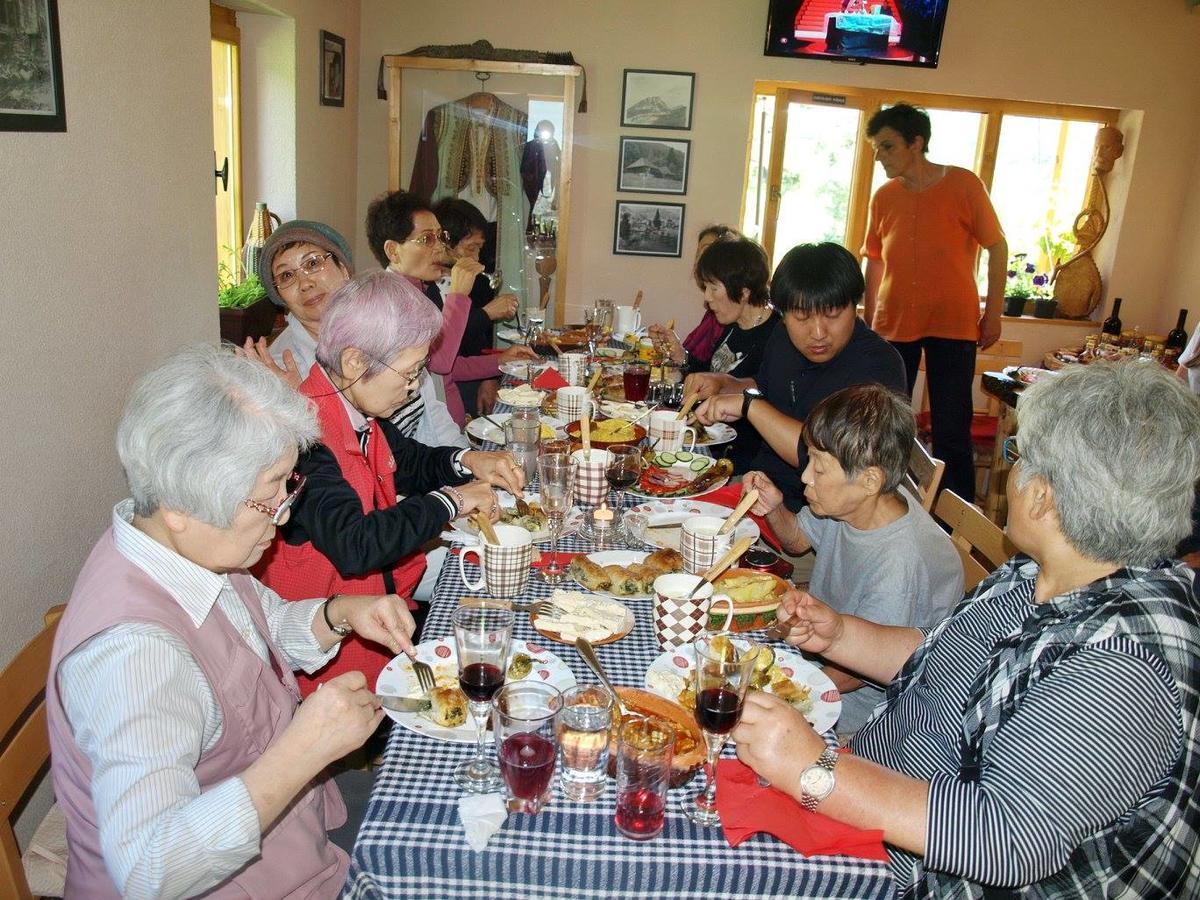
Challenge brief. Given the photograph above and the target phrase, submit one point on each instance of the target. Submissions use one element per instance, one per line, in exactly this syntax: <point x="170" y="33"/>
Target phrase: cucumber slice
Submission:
<point x="684" y="456"/>
<point x="667" y="459"/>
<point x="699" y="464"/>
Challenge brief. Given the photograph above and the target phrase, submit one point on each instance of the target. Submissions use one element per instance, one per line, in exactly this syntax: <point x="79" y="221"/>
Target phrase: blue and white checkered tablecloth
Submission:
<point x="412" y="844"/>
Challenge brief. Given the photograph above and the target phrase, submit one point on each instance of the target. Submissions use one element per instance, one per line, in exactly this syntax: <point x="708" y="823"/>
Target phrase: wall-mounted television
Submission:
<point x="892" y="32"/>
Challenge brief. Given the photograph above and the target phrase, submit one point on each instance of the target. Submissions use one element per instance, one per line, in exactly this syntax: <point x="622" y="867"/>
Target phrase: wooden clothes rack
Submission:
<point x="395" y="82"/>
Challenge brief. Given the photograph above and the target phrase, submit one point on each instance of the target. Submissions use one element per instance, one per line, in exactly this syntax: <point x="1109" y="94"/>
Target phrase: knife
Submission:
<point x="404" y="704"/>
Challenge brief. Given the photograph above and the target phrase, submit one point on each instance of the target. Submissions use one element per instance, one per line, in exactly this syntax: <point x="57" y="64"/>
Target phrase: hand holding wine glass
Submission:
<point x="481" y="637"/>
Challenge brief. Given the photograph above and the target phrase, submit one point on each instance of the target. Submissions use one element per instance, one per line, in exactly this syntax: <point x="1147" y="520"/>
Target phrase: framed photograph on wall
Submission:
<point x="653" y="99"/>
<point x="654" y="165"/>
<point x="648" y="229"/>
<point x="31" y="79"/>
<point x="333" y="69"/>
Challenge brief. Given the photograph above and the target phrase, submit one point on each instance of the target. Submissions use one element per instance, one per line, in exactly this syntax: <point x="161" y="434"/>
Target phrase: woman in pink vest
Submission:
<point x="179" y="756"/>
<point x="351" y="532"/>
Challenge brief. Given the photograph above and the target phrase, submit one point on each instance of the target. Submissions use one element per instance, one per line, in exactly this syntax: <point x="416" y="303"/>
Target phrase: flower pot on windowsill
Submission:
<point x="1014" y="306"/>
<point x="1044" y="307"/>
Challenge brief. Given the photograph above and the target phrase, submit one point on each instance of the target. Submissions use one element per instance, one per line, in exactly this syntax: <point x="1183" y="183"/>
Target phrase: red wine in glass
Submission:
<point x="621" y="478"/>
<point x="527" y="764"/>
<point x="636" y="380"/>
<point x="640" y="813"/>
<point x="718" y="710"/>
<point x="479" y="681"/>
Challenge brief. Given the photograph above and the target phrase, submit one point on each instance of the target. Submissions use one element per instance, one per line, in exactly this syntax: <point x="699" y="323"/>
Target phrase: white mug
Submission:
<point x="572" y="402"/>
<point x="628" y="319"/>
<point x="665" y="428"/>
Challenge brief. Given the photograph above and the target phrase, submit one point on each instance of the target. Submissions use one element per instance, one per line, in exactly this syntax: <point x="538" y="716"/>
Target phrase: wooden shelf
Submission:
<point x="1034" y="320"/>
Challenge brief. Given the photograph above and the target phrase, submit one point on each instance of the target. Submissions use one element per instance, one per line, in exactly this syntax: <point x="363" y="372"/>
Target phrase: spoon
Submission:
<point x="588" y="652"/>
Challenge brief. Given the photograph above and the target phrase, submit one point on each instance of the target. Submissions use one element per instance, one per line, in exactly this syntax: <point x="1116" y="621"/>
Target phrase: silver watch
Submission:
<point x="816" y="782"/>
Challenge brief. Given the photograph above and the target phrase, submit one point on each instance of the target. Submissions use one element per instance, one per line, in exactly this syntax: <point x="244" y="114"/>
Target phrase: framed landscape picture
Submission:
<point x="654" y="165"/>
<point x="333" y="69"/>
<point x="31" y="85"/>
<point x="648" y="229"/>
<point x="653" y="99"/>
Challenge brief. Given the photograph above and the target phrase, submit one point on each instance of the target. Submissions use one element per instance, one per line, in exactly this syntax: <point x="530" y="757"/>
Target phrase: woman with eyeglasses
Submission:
<point x="350" y="531"/>
<point x="406" y="237"/>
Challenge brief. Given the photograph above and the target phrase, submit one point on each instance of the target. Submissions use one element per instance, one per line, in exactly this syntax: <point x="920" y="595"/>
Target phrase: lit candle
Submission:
<point x="603" y="514"/>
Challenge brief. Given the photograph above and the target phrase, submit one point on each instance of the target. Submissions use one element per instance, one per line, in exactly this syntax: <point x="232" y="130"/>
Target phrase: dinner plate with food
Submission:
<point x="755" y="597"/>
<point x="607" y="433"/>
<point x="480" y="429"/>
<point x="682" y="474"/>
<point x="567" y="615"/>
<point x="533" y="519"/>
<point x="522" y="395"/>
<point x="623" y="574"/>
<point x="779" y="671"/>
<point x="659" y="522"/>
<point x="521" y="368"/>
<point x="448" y="719"/>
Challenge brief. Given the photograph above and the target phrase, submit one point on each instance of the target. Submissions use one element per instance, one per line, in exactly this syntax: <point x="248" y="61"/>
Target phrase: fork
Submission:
<point x="424" y="676"/>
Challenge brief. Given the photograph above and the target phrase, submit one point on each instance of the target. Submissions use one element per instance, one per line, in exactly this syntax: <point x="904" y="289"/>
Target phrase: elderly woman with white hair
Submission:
<point x="373" y="497"/>
<point x="1043" y="740"/>
<point x="179" y="755"/>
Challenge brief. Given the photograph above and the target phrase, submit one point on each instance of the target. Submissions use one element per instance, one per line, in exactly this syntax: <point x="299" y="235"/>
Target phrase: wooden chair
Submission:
<point x="924" y="474"/>
<point x="980" y="542"/>
<point x="24" y="743"/>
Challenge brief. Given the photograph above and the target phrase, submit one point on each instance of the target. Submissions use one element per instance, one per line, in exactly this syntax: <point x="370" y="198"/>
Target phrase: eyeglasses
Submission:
<point x="426" y="238"/>
<point x="310" y="265"/>
<point x="277" y="513"/>
<point x="411" y="377"/>
<point x="1011" y="453"/>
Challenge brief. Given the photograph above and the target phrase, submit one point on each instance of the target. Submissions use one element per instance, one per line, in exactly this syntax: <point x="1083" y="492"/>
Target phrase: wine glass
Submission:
<point x="624" y="469"/>
<point x="724" y="665"/>
<point x="481" y="636"/>
<point x="556" y="474"/>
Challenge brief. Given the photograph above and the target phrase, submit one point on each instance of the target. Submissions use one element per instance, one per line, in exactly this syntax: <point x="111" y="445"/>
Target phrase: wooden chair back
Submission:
<point x="981" y="543"/>
<point x="924" y="474"/>
<point x="24" y="743"/>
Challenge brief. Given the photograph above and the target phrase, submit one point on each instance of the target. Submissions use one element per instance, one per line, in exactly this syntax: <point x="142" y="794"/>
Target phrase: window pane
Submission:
<point x="953" y="141"/>
<point x="818" y="164"/>
<point x="1042" y="168"/>
<point x="755" y="207"/>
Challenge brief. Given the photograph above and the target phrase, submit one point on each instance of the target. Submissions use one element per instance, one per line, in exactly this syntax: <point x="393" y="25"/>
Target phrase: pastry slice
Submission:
<point x="449" y="706"/>
<point x="622" y="582"/>
<point x="588" y="574"/>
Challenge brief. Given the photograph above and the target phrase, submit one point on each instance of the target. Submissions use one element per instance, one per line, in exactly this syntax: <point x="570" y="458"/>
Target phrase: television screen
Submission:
<point x="893" y="32"/>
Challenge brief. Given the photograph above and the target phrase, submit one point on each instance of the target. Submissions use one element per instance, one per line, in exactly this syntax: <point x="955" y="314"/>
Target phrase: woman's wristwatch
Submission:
<point x="816" y="782"/>
<point x="342" y="629"/>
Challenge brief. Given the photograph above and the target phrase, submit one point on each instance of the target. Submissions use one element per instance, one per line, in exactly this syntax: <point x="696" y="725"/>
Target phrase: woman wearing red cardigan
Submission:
<point x="350" y="533"/>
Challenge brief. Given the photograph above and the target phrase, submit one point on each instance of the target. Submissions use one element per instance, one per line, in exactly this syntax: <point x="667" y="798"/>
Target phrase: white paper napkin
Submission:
<point x="481" y="815"/>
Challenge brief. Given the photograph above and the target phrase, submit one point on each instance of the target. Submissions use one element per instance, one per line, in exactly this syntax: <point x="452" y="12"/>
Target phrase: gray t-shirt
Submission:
<point x="905" y="573"/>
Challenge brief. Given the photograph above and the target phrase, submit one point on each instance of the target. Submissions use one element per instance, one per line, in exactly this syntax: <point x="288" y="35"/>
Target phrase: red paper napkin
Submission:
<point x="564" y="559"/>
<point x="729" y="495"/>
<point x="549" y="380"/>
<point x="747" y="808"/>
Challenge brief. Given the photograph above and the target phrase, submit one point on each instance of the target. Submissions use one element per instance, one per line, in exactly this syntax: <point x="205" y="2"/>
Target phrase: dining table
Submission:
<point x="412" y="843"/>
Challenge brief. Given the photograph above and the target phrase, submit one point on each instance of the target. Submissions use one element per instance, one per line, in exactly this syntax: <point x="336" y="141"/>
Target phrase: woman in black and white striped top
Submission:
<point x="1043" y="740"/>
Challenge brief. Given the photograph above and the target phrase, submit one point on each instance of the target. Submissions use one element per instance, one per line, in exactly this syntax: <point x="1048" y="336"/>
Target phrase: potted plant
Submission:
<point x="245" y="310"/>
<point x="1025" y="284"/>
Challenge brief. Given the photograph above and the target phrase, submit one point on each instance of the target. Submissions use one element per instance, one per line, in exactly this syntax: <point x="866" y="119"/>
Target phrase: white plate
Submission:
<point x="717" y="433"/>
<point x="510" y="334"/>
<point x="686" y="469"/>
<point x="522" y="397"/>
<point x="616" y="558"/>
<point x="480" y="429"/>
<point x="464" y="529"/>
<point x="397" y="679"/>
<point x="825" y="697"/>
<point x="518" y="369"/>
<point x="670" y="512"/>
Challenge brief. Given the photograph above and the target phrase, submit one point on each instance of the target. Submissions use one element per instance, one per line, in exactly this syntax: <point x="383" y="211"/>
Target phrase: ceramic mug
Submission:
<point x="505" y="565"/>
<point x="572" y="402"/>
<point x="573" y="367"/>
<point x="665" y="427"/>
<point x="700" y="545"/>
<point x="591" y="481"/>
<point x="628" y="319"/>
<point x="678" y="619"/>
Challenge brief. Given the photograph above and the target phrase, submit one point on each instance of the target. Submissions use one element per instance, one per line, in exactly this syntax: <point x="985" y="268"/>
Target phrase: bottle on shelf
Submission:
<point x="1177" y="338"/>
<point x="1112" y="325"/>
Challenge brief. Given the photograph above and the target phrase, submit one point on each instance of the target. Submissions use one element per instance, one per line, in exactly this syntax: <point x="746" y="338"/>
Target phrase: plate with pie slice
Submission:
<point x="449" y="720"/>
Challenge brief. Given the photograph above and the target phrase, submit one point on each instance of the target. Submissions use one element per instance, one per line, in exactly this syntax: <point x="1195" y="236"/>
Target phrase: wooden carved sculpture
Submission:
<point x="1077" y="280"/>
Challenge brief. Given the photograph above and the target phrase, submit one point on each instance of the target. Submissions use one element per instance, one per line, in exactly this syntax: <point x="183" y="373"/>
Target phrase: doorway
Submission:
<point x="227" y="149"/>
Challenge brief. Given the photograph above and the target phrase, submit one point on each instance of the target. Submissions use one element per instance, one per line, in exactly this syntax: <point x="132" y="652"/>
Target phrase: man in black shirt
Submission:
<point x="822" y="347"/>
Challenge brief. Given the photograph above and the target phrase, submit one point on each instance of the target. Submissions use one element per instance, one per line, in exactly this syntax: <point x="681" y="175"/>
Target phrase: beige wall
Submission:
<point x="1107" y="52"/>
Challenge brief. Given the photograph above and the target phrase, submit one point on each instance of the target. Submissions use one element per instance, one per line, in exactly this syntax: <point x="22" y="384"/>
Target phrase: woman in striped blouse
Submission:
<point x="1042" y="740"/>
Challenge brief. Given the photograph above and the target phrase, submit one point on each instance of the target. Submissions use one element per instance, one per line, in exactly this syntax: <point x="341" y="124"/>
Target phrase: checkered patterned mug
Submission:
<point x="679" y="620"/>
<point x="591" y="485"/>
<point x="505" y="565"/>
<point x="700" y="544"/>
<point x="572" y="401"/>
<point x="665" y="428"/>
<point x="574" y="368"/>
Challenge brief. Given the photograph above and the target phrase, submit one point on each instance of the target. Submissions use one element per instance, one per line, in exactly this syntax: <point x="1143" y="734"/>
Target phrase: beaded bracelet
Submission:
<point x="460" y="501"/>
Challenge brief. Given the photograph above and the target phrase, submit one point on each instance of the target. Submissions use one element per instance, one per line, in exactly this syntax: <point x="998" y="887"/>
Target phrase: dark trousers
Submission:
<point x="949" y="379"/>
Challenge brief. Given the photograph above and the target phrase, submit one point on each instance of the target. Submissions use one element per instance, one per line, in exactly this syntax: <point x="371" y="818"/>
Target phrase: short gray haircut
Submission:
<point x="1120" y="445"/>
<point x="379" y="314"/>
<point x="862" y="426"/>
<point x="199" y="429"/>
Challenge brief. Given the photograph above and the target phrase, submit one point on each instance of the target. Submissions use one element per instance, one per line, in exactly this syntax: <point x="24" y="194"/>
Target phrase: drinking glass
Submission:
<point x="556" y="474"/>
<point x="535" y="322"/>
<point x="645" y="748"/>
<point x="582" y="727"/>
<point x="624" y="469"/>
<point x="636" y="381"/>
<point x="524" y="725"/>
<point x="481" y="636"/>
<point x="724" y="664"/>
<point x="521" y="438"/>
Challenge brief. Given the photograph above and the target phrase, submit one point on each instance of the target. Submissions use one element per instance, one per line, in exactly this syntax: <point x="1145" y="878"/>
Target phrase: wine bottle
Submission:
<point x="1177" y="337"/>
<point x="1112" y="325"/>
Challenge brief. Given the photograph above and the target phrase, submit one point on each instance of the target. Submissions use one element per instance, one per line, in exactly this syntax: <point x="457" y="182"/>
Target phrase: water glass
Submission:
<point x="535" y="323"/>
<point x="645" y="748"/>
<point x="521" y="438"/>
<point x="525" y="742"/>
<point x="582" y="726"/>
<point x="556" y="474"/>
